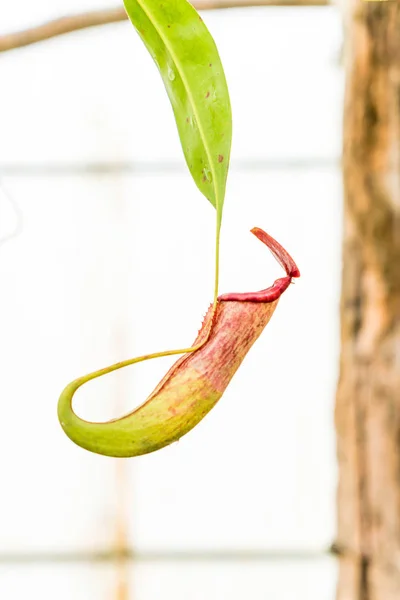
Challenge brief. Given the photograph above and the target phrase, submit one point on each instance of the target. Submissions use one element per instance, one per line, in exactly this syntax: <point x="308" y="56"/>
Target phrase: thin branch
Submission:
<point x="61" y="26"/>
<point x="95" y="18"/>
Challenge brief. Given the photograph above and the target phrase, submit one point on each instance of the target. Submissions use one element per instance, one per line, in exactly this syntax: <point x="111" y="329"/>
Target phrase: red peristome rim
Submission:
<point x="280" y="285"/>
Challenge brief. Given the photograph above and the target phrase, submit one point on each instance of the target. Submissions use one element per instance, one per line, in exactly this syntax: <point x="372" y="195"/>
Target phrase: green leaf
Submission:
<point x="189" y="63"/>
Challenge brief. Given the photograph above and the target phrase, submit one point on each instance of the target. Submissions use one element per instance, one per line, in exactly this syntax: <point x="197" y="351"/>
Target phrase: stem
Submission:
<point x="217" y="239"/>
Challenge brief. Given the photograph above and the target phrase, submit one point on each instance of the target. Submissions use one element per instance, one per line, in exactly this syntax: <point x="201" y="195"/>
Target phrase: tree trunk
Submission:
<point x="368" y="399"/>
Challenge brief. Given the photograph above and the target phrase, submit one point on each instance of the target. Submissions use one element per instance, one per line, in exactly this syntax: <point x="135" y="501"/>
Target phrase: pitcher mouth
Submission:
<point x="273" y="292"/>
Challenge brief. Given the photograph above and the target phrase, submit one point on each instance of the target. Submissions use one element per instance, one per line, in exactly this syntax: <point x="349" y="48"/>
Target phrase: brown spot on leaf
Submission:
<point x="204" y="179"/>
<point x="187" y="119"/>
<point x="220" y="158"/>
<point x="208" y="94"/>
<point x="210" y="65"/>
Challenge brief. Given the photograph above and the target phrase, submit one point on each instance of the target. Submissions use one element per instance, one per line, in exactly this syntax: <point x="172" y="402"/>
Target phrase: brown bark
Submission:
<point x="368" y="399"/>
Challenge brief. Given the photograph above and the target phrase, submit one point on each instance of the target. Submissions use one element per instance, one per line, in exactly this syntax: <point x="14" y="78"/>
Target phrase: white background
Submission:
<point x="114" y="258"/>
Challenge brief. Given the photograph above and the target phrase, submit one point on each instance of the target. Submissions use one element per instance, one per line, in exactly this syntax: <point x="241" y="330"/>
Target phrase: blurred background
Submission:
<point x="98" y="213"/>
